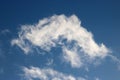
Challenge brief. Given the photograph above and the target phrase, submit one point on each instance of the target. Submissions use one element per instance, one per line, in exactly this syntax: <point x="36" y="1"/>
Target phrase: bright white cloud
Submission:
<point x="21" y="44"/>
<point x="72" y="57"/>
<point x="46" y="74"/>
<point x="49" y="32"/>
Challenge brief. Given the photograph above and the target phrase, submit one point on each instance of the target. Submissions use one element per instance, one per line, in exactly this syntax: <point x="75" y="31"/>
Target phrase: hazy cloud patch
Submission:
<point x="46" y="74"/>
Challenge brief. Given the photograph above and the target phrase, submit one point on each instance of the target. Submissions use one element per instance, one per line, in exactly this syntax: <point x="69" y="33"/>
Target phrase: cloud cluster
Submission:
<point x="75" y="40"/>
<point x="46" y="74"/>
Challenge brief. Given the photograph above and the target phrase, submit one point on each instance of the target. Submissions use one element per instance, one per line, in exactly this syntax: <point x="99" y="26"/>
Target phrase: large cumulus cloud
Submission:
<point x="50" y="32"/>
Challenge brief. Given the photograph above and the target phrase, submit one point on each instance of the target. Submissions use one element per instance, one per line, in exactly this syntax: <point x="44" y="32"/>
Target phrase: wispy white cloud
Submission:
<point x="5" y="31"/>
<point x="50" y="32"/>
<point x="72" y="57"/>
<point x="97" y="78"/>
<point x="20" y="42"/>
<point x="46" y="74"/>
<point x="115" y="59"/>
<point x="50" y="62"/>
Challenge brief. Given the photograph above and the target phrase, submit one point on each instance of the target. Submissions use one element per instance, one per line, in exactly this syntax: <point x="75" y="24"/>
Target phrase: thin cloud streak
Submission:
<point x="46" y="74"/>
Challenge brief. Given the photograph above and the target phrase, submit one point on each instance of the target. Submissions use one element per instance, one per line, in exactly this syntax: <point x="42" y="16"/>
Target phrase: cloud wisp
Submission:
<point x="75" y="41"/>
<point x="115" y="59"/>
<point x="46" y="74"/>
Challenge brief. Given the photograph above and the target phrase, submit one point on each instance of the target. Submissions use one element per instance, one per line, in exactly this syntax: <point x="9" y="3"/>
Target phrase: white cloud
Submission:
<point x="46" y="74"/>
<point x="21" y="44"/>
<point x="49" y="32"/>
<point x="50" y="62"/>
<point x="72" y="57"/>
<point x="115" y="59"/>
<point x="5" y="31"/>
<point x="97" y="78"/>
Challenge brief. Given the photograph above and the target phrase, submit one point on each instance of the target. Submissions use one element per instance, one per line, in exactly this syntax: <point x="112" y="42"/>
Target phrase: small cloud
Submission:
<point x="21" y="44"/>
<point x="97" y="78"/>
<point x="5" y="31"/>
<point x="72" y="57"/>
<point x="115" y="59"/>
<point x="50" y="62"/>
<point x="46" y="74"/>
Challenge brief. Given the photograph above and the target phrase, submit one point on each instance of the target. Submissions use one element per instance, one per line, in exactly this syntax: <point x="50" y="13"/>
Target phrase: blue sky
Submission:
<point x="74" y="40"/>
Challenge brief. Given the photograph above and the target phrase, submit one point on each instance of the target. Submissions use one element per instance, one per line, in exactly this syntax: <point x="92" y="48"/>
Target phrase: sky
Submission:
<point x="59" y="40"/>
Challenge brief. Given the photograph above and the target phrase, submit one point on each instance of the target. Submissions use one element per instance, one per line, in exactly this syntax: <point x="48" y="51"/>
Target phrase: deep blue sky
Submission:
<point x="101" y="17"/>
